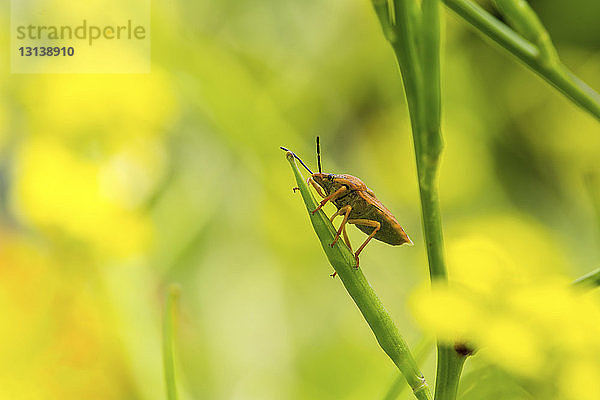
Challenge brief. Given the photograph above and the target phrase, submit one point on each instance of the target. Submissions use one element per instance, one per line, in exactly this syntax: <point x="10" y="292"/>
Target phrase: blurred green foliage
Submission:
<point x="114" y="186"/>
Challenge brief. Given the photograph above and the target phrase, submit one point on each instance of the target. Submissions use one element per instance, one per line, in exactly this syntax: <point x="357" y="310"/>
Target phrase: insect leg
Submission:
<point x="331" y="197"/>
<point x="343" y="228"/>
<point x="317" y="187"/>
<point x="342" y="211"/>
<point x="365" y="222"/>
<point x="346" y="238"/>
<point x="347" y="244"/>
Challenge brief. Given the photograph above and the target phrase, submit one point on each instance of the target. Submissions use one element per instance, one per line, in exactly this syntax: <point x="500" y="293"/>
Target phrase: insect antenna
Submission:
<point x="297" y="158"/>
<point x="319" y="155"/>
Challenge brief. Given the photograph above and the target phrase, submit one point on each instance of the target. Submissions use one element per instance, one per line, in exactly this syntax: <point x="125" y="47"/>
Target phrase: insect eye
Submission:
<point x="330" y="176"/>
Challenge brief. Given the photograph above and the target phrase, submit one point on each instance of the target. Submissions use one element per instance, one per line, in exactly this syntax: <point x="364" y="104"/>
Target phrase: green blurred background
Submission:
<point x="114" y="186"/>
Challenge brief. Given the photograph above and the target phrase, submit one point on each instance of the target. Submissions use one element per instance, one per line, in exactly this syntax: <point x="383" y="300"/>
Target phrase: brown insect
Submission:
<point x="358" y="205"/>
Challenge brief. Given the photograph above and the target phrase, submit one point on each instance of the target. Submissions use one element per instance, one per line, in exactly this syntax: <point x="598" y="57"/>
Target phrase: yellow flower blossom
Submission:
<point x="56" y="336"/>
<point x="96" y="113"/>
<point x="511" y="344"/>
<point x="510" y="299"/>
<point x="60" y="193"/>
<point x="579" y="380"/>
<point x="460" y="313"/>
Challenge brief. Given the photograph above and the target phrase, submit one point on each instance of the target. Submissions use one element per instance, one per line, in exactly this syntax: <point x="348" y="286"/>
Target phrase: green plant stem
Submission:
<point x="554" y="73"/>
<point x="342" y="260"/>
<point x="421" y="351"/>
<point x="524" y="20"/>
<point x="449" y="362"/>
<point x="416" y="44"/>
<point x="432" y="223"/>
<point x="168" y="328"/>
<point x="427" y="138"/>
<point x="589" y="280"/>
<point x="431" y="65"/>
<point x="450" y="365"/>
<point x="404" y="45"/>
<point x="421" y="77"/>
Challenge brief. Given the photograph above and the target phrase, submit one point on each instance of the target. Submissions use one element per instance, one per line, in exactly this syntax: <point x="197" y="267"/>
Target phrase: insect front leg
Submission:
<point x="331" y="197"/>
<point x="345" y="211"/>
<point x="317" y="187"/>
<point x="365" y="222"/>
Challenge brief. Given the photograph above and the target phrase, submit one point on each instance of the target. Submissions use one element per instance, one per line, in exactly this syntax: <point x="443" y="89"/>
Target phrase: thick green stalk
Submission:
<point x="405" y="46"/>
<point x="450" y="364"/>
<point x="416" y="45"/>
<point x="342" y="260"/>
<point x="554" y="73"/>
<point x="168" y="328"/>
<point x="430" y="213"/>
<point x="431" y="65"/>
<point x="421" y="76"/>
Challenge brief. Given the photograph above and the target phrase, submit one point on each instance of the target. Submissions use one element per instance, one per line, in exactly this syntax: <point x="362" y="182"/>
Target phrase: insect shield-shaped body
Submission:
<point x="358" y="206"/>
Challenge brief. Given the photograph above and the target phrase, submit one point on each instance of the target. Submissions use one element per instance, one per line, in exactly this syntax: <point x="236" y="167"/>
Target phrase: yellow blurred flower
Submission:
<point x="579" y="380"/>
<point x="509" y="298"/>
<point x="56" y="339"/>
<point x="511" y="344"/>
<point x="447" y="312"/>
<point x="97" y="113"/>
<point x="480" y="263"/>
<point x="94" y="154"/>
<point x="58" y="192"/>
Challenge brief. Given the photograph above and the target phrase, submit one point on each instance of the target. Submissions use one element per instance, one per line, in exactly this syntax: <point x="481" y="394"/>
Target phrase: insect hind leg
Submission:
<point x="344" y="233"/>
<point x="364" y="222"/>
<point x="346" y="239"/>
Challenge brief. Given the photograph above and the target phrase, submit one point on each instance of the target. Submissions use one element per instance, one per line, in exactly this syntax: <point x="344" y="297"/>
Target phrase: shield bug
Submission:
<point x="357" y="204"/>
